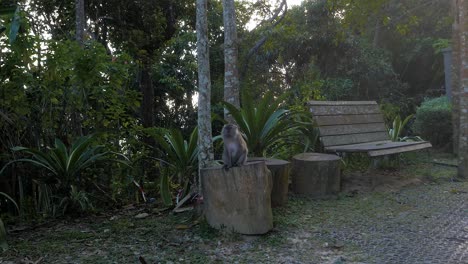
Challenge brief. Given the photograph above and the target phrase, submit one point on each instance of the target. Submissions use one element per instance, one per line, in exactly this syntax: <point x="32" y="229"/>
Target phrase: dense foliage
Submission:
<point x="132" y="84"/>
<point x="434" y="121"/>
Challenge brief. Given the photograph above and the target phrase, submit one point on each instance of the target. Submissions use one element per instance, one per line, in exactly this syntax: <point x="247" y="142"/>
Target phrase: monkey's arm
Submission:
<point x="242" y="159"/>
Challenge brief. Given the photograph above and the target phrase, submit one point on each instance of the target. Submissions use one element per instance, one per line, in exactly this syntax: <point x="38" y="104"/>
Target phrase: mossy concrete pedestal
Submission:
<point x="238" y="199"/>
<point x="316" y="174"/>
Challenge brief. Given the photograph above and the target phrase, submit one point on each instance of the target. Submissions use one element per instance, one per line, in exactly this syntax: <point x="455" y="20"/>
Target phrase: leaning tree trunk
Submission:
<point x="461" y="26"/>
<point x="147" y="115"/>
<point x="238" y="199"/>
<point x="146" y="87"/>
<point x="456" y="63"/>
<point x="79" y="21"/>
<point x="231" y="73"/>
<point x="205" y="142"/>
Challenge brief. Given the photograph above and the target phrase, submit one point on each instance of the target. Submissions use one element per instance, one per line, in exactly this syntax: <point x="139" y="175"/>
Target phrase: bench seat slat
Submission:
<point x="381" y="148"/>
<point x="403" y="148"/>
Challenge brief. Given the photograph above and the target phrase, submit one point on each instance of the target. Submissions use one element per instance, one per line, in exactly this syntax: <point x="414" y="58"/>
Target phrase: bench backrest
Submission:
<point x="348" y="122"/>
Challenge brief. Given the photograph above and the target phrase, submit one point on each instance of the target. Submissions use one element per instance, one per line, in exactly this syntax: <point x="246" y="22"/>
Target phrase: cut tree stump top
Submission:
<point x="316" y="157"/>
<point x="356" y="126"/>
<point x="268" y="161"/>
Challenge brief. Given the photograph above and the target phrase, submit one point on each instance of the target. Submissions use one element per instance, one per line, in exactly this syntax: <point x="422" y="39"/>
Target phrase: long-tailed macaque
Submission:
<point x="235" y="148"/>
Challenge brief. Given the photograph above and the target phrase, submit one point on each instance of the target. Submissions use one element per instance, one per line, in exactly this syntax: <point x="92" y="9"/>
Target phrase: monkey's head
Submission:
<point x="230" y="131"/>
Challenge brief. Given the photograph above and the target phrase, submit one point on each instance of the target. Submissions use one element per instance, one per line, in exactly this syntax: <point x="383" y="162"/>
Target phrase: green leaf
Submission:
<point x="87" y="160"/>
<point x="181" y="155"/>
<point x="78" y="150"/>
<point x="165" y="191"/>
<point x="15" y="26"/>
<point x="397" y="127"/>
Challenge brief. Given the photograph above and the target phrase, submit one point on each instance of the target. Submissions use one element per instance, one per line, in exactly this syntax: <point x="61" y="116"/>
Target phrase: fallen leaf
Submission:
<point x="182" y="227"/>
<point x="142" y="215"/>
<point x="183" y="209"/>
<point x="27" y="260"/>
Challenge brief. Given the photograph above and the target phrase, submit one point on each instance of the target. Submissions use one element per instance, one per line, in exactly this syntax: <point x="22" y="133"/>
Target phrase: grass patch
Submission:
<point x="274" y="239"/>
<point x="206" y="231"/>
<point x="427" y="170"/>
<point x="121" y="226"/>
<point x="356" y="162"/>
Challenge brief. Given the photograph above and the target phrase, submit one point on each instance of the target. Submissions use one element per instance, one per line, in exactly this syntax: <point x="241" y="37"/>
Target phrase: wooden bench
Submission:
<point x="356" y="126"/>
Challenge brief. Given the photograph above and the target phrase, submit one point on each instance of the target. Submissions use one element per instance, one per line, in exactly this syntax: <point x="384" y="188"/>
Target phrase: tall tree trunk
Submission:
<point x="80" y="21"/>
<point x="455" y="76"/>
<point x="205" y="141"/>
<point x="460" y="38"/>
<point x="231" y="73"/>
<point x="146" y="86"/>
<point x="375" y="41"/>
<point x="147" y="111"/>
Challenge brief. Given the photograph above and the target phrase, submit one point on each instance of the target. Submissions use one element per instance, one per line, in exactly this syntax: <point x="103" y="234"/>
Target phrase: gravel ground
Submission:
<point x="430" y="225"/>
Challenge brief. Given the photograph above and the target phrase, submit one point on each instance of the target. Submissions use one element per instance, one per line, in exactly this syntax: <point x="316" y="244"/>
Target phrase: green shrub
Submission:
<point x="389" y="112"/>
<point x="434" y="121"/>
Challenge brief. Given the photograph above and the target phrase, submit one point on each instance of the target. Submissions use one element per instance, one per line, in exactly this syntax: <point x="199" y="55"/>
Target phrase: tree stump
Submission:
<point x="280" y="175"/>
<point x="316" y="174"/>
<point x="238" y="199"/>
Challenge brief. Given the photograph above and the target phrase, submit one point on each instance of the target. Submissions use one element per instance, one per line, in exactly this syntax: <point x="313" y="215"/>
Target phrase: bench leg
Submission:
<point x="375" y="163"/>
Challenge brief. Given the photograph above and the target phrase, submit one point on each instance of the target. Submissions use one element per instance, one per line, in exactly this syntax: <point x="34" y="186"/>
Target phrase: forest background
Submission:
<point x="132" y="79"/>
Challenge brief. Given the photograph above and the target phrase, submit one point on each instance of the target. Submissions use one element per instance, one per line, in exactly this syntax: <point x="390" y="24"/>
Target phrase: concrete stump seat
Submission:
<point x="316" y="174"/>
<point x="280" y="175"/>
<point x="238" y="199"/>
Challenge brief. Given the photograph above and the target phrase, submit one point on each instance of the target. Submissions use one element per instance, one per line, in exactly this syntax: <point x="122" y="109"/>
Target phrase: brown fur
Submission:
<point x="235" y="148"/>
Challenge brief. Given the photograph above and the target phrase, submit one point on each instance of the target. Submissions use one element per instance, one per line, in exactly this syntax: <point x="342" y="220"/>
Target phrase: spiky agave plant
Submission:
<point x="63" y="164"/>
<point x="264" y="124"/>
<point x="182" y="157"/>
<point x="398" y="127"/>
